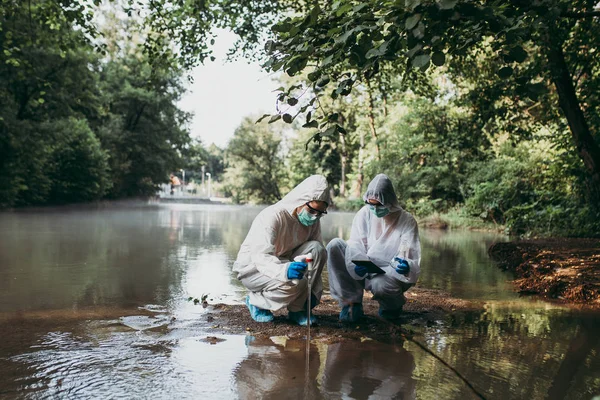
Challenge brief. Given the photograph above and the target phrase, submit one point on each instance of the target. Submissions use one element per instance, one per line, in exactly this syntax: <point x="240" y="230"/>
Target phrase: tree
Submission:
<point x="144" y="130"/>
<point x="255" y="165"/>
<point x="418" y="33"/>
<point x="74" y="126"/>
<point x="49" y="91"/>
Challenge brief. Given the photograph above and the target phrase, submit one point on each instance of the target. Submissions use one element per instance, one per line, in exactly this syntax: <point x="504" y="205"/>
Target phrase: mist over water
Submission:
<point x="94" y="303"/>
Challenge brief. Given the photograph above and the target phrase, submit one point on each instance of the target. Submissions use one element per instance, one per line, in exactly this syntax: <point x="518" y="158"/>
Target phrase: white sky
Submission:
<point x="223" y="93"/>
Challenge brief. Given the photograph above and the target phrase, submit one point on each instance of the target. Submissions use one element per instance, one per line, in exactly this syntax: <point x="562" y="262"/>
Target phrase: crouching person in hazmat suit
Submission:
<point x="265" y="263"/>
<point x="385" y="234"/>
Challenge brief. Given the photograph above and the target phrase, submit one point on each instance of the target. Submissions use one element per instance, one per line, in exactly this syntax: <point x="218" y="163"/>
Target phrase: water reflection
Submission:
<point x="369" y="371"/>
<point x="276" y="369"/>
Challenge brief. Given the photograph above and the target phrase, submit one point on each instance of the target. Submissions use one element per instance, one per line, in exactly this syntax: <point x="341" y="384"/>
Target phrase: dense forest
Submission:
<point x="480" y="112"/>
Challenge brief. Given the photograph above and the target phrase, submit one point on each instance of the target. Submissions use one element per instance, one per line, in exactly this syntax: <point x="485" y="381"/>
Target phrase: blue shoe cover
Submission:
<point x="345" y="314"/>
<point x="258" y="314"/>
<point x="357" y="312"/>
<point x="299" y="317"/>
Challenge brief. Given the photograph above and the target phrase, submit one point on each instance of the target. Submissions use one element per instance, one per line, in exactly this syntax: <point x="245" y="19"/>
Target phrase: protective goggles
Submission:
<point x="314" y="211"/>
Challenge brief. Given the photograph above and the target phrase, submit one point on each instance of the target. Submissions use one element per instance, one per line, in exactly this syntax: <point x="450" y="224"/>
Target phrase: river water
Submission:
<point x="94" y="304"/>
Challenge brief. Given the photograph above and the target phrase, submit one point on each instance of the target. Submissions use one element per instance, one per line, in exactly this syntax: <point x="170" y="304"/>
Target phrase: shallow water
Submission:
<point x="94" y="303"/>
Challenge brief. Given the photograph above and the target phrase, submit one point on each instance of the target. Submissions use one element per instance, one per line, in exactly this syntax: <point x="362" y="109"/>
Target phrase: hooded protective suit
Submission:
<point x="275" y="238"/>
<point x="379" y="240"/>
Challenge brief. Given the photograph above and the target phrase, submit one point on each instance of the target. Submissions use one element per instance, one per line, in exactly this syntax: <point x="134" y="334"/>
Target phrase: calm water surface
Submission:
<point x="93" y="304"/>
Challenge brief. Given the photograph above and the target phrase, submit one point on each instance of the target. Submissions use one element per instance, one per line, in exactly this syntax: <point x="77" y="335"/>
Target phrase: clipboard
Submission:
<point x="371" y="267"/>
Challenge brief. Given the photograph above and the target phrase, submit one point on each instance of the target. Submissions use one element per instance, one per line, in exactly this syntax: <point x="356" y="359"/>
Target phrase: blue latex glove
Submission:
<point x="360" y="270"/>
<point x="296" y="270"/>
<point x="402" y="266"/>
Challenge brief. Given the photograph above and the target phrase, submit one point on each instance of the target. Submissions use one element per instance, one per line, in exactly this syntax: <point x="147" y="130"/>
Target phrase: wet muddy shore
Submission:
<point x="560" y="269"/>
<point x="424" y="307"/>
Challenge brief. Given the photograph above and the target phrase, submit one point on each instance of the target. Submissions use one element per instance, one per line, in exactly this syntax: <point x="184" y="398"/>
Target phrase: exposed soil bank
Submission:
<point x="424" y="307"/>
<point x="563" y="269"/>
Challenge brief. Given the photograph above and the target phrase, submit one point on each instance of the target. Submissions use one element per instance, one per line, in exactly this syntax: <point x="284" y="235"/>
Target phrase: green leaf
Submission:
<point x="421" y="61"/>
<point x="343" y="9"/>
<point x="378" y="51"/>
<point x="287" y="118"/>
<point x="313" y="76"/>
<point x="412" y="4"/>
<point x="438" y="58"/>
<point x="360" y="7"/>
<point x="314" y="14"/>
<point x="344" y="37"/>
<point x="275" y="118"/>
<point x="447" y="4"/>
<point x="323" y="81"/>
<point x="414" y="50"/>
<point x="505" y="72"/>
<point x="292" y="101"/>
<point x="282" y="27"/>
<point x="311" y="124"/>
<point x="331" y="131"/>
<point x="518" y="54"/>
<point x="412" y="21"/>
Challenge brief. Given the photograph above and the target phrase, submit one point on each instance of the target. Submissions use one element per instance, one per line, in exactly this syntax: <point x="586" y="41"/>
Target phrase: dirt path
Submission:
<point x="564" y="269"/>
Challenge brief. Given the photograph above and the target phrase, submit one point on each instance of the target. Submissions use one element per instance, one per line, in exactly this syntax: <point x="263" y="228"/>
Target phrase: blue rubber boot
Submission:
<point x="299" y="317"/>
<point x="258" y="314"/>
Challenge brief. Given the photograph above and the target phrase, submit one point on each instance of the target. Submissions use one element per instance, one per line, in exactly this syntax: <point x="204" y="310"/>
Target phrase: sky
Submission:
<point x="223" y="93"/>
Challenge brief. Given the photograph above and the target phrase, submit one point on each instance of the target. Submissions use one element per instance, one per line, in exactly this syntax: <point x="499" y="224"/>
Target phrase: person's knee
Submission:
<point x="293" y="290"/>
<point x="335" y="244"/>
<point x="383" y="288"/>
<point x="318" y="248"/>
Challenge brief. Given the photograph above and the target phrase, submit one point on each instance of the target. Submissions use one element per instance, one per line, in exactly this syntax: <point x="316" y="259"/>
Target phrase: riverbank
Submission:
<point x="562" y="269"/>
<point x="424" y="307"/>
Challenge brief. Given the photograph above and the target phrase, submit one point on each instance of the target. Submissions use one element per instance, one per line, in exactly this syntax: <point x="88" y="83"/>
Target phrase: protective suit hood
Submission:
<point x="382" y="190"/>
<point x="312" y="188"/>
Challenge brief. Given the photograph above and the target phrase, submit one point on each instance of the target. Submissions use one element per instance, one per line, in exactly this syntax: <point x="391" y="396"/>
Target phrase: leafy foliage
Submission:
<point x="75" y="127"/>
<point x="255" y="165"/>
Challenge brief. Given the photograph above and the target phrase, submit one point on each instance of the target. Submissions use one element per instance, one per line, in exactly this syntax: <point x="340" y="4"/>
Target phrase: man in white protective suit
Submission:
<point x="265" y="263"/>
<point x="385" y="234"/>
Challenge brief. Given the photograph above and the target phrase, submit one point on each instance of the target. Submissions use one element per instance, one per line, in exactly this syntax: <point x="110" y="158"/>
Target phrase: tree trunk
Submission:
<point x="359" y="172"/>
<point x="344" y="162"/>
<point x="588" y="149"/>
<point x="371" y="115"/>
<point x="384" y="102"/>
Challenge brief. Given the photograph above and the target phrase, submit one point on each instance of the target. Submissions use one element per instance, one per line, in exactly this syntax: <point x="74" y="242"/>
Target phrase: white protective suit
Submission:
<point x="379" y="240"/>
<point x="275" y="238"/>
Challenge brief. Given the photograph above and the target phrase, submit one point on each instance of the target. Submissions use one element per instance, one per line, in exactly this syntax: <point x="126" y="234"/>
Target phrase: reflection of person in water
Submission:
<point x="369" y="371"/>
<point x="277" y="371"/>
